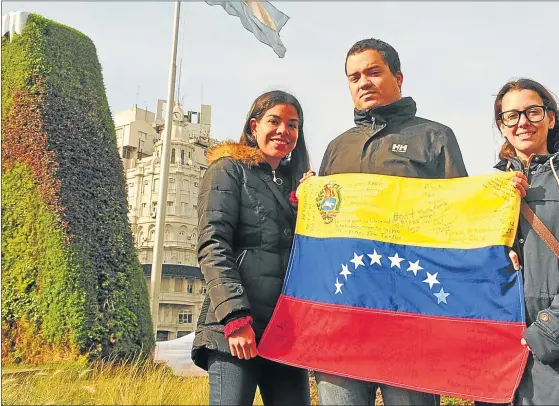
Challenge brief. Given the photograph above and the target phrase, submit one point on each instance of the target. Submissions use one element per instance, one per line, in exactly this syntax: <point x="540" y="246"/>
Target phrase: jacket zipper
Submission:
<point x="527" y="169"/>
<point x="277" y="181"/>
<point x="240" y="259"/>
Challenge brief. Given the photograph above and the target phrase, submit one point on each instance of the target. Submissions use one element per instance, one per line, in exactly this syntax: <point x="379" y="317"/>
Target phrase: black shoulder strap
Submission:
<point x="277" y="193"/>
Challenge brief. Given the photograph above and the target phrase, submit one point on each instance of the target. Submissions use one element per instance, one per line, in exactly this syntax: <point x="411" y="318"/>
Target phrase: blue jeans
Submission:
<point x="233" y="381"/>
<point x="338" y="390"/>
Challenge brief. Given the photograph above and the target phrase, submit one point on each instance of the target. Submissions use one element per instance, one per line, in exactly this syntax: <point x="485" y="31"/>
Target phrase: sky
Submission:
<point x="455" y="57"/>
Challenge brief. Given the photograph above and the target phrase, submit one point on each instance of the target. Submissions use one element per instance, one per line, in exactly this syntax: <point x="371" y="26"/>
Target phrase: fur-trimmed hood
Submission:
<point x="245" y="154"/>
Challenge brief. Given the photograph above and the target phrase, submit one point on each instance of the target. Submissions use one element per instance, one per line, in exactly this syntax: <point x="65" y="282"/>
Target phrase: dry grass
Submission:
<point x="110" y="384"/>
<point x="105" y="384"/>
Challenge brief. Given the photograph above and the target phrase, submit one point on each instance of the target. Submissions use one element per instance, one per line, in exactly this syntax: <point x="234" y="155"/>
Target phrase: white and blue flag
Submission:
<point x="259" y="17"/>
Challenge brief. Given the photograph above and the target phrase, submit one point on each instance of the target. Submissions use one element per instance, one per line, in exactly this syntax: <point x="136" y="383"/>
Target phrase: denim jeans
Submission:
<point x="233" y="381"/>
<point x="338" y="390"/>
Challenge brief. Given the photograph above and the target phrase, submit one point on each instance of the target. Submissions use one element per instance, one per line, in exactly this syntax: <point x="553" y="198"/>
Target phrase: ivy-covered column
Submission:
<point x="72" y="285"/>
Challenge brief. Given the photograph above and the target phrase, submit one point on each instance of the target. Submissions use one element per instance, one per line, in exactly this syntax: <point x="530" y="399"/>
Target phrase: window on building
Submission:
<point x="162" y="336"/>
<point x="182" y="235"/>
<point x="144" y="209"/>
<point x="182" y="156"/>
<point x="189" y="154"/>
<point x="185" y="316"/>
<point x="204" y="290"/>
<point x="146" y="186"/>
<point x="185" y="186"/>
<point x="182" y="333"/>
<point x="172" y="185"/>
<point x="165" y="284"/>
<point x="168" y="233"/>
<point x="184" y="208"/>
<point x="173" y="156"/>
<point x="170" y="207"/>
<point x="195" y="184"/>
<point x="189" y="287"/>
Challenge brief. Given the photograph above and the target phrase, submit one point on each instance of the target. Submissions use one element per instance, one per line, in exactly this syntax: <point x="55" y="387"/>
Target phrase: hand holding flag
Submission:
<point x="406" y="282"/>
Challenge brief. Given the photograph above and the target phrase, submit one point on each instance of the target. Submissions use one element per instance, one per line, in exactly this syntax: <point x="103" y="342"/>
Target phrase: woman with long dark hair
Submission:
<point x="246" y="223"/>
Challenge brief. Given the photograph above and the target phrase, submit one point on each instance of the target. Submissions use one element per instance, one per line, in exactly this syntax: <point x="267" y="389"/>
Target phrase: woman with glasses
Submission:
<point x="526" y="115"/>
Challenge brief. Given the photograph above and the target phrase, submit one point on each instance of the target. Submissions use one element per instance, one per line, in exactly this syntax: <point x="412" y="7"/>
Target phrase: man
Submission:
<point x="388" y="139"/>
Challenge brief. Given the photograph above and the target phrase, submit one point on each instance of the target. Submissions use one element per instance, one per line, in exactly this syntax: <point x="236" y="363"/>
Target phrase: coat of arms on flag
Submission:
<point x="328" y="202"/>
<point x="407" y="282"/>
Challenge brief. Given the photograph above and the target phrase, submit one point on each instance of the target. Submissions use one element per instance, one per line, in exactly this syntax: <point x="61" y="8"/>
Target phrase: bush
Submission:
<point x="72" y="285"/>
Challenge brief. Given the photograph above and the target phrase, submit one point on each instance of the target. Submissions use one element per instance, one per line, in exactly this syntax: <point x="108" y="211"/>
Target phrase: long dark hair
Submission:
<point x="298" y="160"/>
<point x="507" y="150"/>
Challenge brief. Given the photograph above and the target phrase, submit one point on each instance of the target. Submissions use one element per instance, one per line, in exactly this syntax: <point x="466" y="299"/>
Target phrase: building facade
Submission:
<point x="182" y="286"/>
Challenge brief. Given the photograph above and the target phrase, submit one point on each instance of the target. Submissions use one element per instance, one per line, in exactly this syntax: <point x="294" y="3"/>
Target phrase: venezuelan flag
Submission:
<point x="405" y="282"/>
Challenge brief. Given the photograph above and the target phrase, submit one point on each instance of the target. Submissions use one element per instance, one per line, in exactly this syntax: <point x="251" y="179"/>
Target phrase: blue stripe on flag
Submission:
<point x="465" y="283"/>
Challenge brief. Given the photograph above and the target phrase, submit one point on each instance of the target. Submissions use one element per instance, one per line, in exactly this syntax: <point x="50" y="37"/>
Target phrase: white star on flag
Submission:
<point x="375" y="258"/>
<point x="414" y="267"/>
<point x="345" y="272"/>
<point x="441" y="296"/>
<point x="357" y="260"/>
<point x="395" y="260"/>
<point x="338" y="287"/>
<point x="431" y="279"/>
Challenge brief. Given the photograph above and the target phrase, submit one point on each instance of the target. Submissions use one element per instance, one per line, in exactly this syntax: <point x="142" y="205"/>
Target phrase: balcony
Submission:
<point x="181" y="298"/>
<point x="177" y="326"/>
<point x="169" y="243"/>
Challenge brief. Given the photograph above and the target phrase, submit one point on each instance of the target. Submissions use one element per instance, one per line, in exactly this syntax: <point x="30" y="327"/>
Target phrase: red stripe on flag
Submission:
<point x="467" y="358"/>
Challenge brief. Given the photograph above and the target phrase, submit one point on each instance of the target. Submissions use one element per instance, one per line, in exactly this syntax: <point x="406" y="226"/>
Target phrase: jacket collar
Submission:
<point x="251" y="156"/>
<point x="516" y="163"/>
<point x="398" y="110"/>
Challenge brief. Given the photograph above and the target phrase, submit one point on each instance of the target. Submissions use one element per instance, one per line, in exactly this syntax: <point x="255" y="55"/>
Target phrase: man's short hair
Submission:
<point x="387" y="52"/>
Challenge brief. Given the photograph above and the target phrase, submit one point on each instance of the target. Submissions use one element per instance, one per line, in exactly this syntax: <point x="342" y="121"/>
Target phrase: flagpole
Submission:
<point x="163" y="177"/>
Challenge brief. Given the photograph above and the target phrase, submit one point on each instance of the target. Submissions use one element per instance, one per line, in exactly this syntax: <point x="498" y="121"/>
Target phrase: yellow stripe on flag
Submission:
<point x="472" y="212"/>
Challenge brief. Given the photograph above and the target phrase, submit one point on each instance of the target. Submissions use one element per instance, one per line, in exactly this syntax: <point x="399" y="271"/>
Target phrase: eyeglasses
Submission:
<point x="533" y="114"/>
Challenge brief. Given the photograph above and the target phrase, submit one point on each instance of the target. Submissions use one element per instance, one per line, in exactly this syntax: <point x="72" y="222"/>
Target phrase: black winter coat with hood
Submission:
<point x="246" y="226"/>
<point x="540" y="268"/>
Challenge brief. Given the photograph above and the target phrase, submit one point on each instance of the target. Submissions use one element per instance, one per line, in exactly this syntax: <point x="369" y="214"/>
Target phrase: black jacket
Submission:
<point x="391" y="140"/>
<point x="246" y="225"/>
<point x="540" y="383"/>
